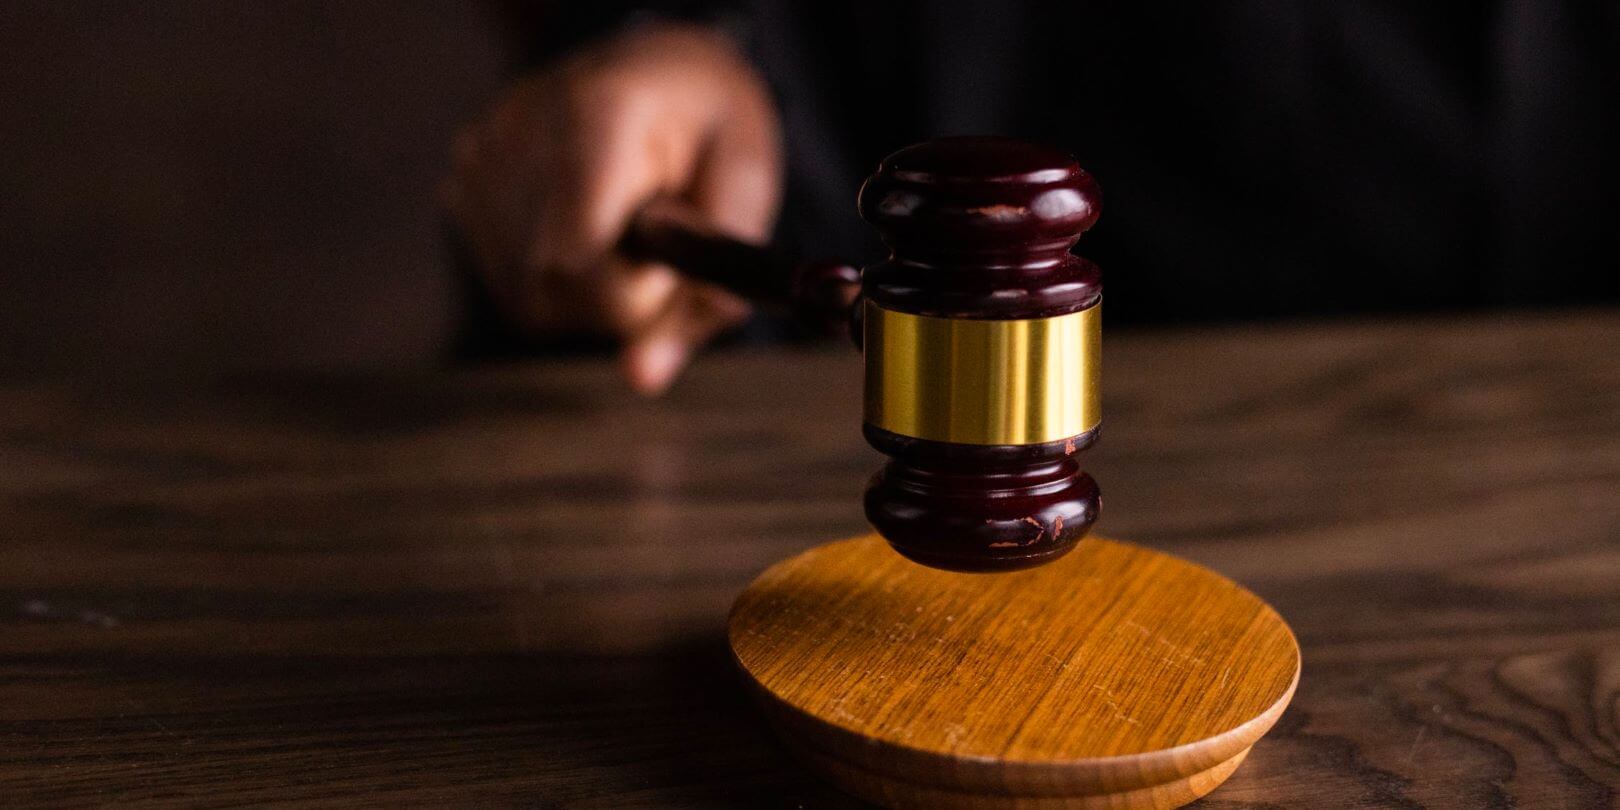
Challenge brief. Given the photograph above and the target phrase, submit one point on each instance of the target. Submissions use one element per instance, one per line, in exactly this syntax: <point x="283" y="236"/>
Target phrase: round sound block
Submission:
<point x="1114" y="677"/>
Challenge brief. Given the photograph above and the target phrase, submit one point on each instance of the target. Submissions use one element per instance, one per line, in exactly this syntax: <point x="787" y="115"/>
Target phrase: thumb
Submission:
<point x="653" y="358"/>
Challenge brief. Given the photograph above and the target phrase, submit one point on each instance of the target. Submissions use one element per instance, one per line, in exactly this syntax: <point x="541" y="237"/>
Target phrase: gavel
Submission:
<point x="981" y="335"/>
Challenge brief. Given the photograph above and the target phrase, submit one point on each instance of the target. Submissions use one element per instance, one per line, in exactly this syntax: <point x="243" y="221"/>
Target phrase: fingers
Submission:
<point x="599" y="171"/>
<point x="737" y="182"/>
<point x="542" y="188"/>
<point x="652" y="359"/>
<point x="615" y="147"/>
<point x="628" y="297"/>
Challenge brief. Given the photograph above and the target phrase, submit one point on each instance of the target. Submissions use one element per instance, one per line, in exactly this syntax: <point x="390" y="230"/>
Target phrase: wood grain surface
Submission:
<point x="1114" y="677"/>
<point x="511" y="585"/>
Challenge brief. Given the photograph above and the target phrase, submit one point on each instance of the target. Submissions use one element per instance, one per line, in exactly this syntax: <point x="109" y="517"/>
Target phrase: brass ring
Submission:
<point x="990" y="382"/>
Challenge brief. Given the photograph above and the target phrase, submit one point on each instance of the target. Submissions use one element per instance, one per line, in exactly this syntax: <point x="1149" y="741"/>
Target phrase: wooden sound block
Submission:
<point x="1114" y="677"/>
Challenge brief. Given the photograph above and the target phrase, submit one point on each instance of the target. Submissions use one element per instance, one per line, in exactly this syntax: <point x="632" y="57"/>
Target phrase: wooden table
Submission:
<point x="511" y="584"/>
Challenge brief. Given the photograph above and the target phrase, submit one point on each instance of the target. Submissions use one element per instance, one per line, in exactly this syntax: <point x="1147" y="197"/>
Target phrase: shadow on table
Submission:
<point x="670" y="727"/>
<point x="673" y="727"/>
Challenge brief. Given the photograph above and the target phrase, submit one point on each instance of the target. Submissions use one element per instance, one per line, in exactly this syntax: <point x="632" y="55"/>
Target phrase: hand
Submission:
<point x="545" y="183"/>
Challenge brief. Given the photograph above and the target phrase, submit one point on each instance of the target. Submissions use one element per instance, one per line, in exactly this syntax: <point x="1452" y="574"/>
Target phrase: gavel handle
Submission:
<point x="821" y="294"/>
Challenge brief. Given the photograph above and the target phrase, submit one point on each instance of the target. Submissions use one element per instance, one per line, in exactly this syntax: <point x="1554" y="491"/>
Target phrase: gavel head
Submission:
<point x="982" y="340"/>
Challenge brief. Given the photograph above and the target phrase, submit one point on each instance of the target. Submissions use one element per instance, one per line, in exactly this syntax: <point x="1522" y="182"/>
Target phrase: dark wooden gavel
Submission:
<point x="982" y="339"/>
<point x="819" y="294"/>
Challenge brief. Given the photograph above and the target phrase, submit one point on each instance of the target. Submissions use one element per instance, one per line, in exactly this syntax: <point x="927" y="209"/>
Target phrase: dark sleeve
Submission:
<point x="538" y="32"/>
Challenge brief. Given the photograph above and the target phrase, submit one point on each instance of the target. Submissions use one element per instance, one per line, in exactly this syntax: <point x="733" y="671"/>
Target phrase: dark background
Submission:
<point x="187" y="183"/>
<point x="194" y="182"/>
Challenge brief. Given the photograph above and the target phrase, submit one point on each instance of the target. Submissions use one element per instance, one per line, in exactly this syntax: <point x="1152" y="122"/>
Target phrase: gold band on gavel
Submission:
<point x="980" y="381"/>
